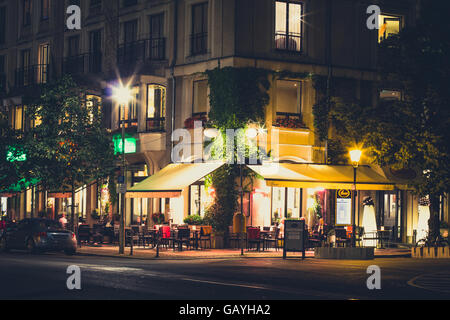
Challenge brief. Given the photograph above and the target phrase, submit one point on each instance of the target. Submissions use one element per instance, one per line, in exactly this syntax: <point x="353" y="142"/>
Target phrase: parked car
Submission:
<point x="38" y="235"/>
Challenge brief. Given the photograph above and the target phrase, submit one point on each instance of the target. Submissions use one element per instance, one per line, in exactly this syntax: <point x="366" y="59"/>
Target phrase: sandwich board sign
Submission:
<point x="294" y="237"/>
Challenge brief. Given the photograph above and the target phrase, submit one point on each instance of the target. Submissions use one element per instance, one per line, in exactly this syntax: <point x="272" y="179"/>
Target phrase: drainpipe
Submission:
<point x="172" y="67"/>
<point x="330" y="68"/>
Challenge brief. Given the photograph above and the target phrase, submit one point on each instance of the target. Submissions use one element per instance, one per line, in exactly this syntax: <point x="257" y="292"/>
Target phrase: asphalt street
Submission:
<point x="25" y="276"/>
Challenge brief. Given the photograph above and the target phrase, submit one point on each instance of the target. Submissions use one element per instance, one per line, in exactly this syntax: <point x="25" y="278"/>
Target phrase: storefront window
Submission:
<point x="199" y="200"/>
<point x="286" y="203"/>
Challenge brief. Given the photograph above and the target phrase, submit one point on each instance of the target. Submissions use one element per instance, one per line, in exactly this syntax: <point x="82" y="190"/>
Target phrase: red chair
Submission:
<point x="254" y="237"/>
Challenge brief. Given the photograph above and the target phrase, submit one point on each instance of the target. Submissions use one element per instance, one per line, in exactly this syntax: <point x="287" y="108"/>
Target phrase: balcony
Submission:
<point x="32" y="75"/>
<point x="155" y="124"/>
<point x="289" y="120"/>
<point x="84" y="63"/>
<point x="288" y="42"/>
<point x="130" y="125"/>
<point x="141" y="51"/>
<point x="199" y="43"/>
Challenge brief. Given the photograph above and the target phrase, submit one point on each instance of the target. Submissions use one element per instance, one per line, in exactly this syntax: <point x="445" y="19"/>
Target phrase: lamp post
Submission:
<point x="122" y="95"/>
<point x="355" y="156"/>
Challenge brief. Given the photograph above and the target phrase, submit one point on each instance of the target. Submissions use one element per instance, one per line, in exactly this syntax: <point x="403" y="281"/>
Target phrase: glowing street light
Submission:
<point x="355" y="157"/>
<point x="122" y="95"/>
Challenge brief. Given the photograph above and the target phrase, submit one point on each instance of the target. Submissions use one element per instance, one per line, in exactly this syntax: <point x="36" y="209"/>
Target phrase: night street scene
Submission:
<point x="231" y="157"/>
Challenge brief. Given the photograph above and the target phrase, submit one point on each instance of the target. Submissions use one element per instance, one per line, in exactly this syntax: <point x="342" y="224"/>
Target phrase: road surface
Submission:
<point x="25" y="276"/>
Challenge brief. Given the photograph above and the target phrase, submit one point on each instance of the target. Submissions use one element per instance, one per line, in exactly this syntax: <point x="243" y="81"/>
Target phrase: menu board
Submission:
<point x="294" y="237"/>
<point x="343" y="207"/>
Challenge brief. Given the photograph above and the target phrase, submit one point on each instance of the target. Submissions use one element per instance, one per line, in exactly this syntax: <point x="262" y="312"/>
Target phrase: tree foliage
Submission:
<point x="68" y="147"/>
<point x="412" y="133"/>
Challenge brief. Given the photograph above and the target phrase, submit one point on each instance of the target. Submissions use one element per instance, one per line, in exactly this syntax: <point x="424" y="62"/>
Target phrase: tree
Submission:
<point x="237" y="96"/>
<point x="412" y="133"/>
<point x="9" y="150"/>
<point x="68" y="147"/>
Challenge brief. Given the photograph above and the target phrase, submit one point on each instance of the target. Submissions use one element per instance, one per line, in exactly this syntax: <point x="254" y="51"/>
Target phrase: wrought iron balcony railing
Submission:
<point x="288" y="42"/>
<point x="84" y="63"/>
<point x="153" y="49"/>
<point x="32" y="75"/>
<point x="155" y="124"/>
<point x="199" y="43"/>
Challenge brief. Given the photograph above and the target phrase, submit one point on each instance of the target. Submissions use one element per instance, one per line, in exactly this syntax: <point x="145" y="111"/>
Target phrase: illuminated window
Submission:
<point x="288" y="96"/>
<point x="390" y="95"/>
<point x="156" y="107"/>
<point x="199" y="200"/>
<point x="16" y="117"/>
<point x="288" y="25"/>
<point x="130" y="116"/>
<point x="389" y="25"/>
<point x="286" y="203"/>
<point x="200" y="99"/>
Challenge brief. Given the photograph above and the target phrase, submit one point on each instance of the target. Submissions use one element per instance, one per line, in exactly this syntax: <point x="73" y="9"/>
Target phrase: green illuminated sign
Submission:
<point x="130" y="144"/>
<point x="14" y="155"/>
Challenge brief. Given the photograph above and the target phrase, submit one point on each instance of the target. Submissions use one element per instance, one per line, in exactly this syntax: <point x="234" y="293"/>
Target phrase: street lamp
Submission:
<point x="122" y="95"/>
<point x="355" y="157"/>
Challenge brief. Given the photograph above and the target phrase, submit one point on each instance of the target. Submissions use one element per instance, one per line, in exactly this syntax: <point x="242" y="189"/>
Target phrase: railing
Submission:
<point x="95" y="62"/>
<point x="141" y="51"/>
<point x="155" y="124"/>
<point x="76" y="65"/>
<point x="128" y="123"/>
<point x="289" y="120"/>
<point x="288" y="42"/>
<point x="199" y="43"/>
<point x="32" y="75"/>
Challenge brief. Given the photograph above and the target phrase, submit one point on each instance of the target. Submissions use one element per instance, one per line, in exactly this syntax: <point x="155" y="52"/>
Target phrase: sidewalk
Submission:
<point x="169" y="254"/>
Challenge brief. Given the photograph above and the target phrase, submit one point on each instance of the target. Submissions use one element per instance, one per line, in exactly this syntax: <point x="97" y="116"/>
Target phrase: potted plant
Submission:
<point x="158" y="218"/>
<point x="194" y="220"/>
<point x="95" y="214"/>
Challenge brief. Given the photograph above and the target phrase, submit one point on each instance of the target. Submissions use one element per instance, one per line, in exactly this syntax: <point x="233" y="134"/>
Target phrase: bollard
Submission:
<point x="131" y="242"/>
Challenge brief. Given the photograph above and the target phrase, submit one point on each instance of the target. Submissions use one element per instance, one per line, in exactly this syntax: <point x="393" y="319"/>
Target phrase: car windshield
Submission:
<point x="47" y="224"/>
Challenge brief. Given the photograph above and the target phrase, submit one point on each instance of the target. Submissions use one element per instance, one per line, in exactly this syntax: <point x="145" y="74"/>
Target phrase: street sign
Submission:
<point x="121" y="179"/>
<point x="294" y="237"/>
<point x="122" y="188"/>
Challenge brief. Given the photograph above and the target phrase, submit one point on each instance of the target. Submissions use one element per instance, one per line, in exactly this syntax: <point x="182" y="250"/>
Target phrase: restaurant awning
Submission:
<point x="305" y="175"/>
<point x="170" y="181"/>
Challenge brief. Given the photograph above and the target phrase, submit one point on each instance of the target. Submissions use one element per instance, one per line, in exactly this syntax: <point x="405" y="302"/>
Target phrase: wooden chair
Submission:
<point x="183" y="236"/>
<point x="272" y="239"/>
<point x="205" y="236"/>
<point x="341" y="236"/>
<point x="84" y="234"/>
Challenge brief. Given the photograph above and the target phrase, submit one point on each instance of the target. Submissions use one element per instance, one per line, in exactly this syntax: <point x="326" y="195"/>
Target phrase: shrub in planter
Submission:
<point x="158" y="218"/>
<point x="194" y="220"/>
<point x="95" y="214"/>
